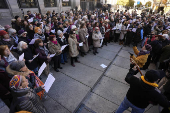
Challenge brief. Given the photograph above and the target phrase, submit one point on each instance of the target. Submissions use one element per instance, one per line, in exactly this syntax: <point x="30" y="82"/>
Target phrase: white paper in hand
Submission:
<point x="134" y="29"/>
<point x="49" y="82"/>
<point x="81" y="44"/>
<point x="103" y="66"/>
<point x="87" y="36"/>
<point x="101" y="42"/>
<point x="63" y="47"/>
<point x="11" y="47"/>
<point x="43" y="66"/>
<point x="53" y="31"/>
<point x="107" y="30"/>
<point x="32" y="41"/>
<point x="35" y="56"/>
<point x="102" y="38"/>
<point x="52" y="55"/>
<point x="65" y="30"/>
<point x="14" y="47"/>
<point x="30" y="20"/>
<point x="75" y="22"/>
<point x="114" y="28"/>
<point x="21" y="57"/>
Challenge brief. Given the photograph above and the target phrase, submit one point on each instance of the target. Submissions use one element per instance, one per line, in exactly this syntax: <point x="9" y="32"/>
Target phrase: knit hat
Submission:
<point x="11" y="31"/>
<point x="148" y="47"/>
<point x="2" y="33"/>
<point x="16" y="17"/>
<point x="17" y="65"/>
<point x="59" y="32"/>
<point x="73" y="27"/>
<point x="20" y="32"/>
<point x="35" y="20"/>
<point x="15" y="82"/>
<point x="7" y="26"/>
<point x="152" y="76"/>
<point x="36" y="29"/>
<point x="38" y="24"/>
<point x="51" y="37"/>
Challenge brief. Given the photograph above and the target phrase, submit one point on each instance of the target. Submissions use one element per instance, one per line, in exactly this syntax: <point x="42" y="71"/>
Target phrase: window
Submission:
<point x="27" y="3"/>
<point x="66" y="3"/>
<point x="3" y="4"/>
<point x="50" y="3"/>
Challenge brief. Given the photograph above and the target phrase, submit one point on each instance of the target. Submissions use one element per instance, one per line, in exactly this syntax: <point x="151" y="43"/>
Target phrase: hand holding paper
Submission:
<point x="53" y="31"/>
<point x="35" y="56"/>
<point x="107" y="30"/>
<point x="21" y="57"/>
<point x="63" y="47"/>
<point x="87" y="36"/>
<point x="65" y="30"/>
<point x="49" y="82"/>
<point x="52" y="55"/>
<point x="81" y="44"/>
<point x="43" y="66"/>
<point x="32" y="41"/>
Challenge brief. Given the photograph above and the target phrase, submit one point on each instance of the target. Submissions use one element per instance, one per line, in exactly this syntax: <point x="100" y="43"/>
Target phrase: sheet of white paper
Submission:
<point x="30" y="20"/>
<point x="114" y="28"/>
<point x="65" y="30"/>
<point x="32" y="41"/>
<point x="52" y="55"/>
<point x="102" y="38"/>
<point x="21" y="57"/>
<point x="134" y="29"/>
<point x="101" y="42"/>
<point x="87" y="36"/>
<point x="53" y="31"/>
<point x="128" y="26"/>
<point x="14" y="47"/>
<point x="103" y="66"/>
<point x="41" y="69"/>
<point x="63" y="47"/>
<point x="107" y="30"/>
<point x="11" y="47"/>
<point x="35" y="56"/>
<point x="75" y="22"/>
<point x="104" y="18"/>
<point x="49" y="82"/>
<point x="130" y="21"/>
<point x="81" y="44"/>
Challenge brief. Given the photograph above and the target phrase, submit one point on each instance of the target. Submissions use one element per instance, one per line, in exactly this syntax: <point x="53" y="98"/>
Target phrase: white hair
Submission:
<point x="19" y="47"/>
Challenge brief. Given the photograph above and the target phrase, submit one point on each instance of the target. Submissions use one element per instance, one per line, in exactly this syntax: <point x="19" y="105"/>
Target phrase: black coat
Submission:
<point x="25" y="39"/>
<point x="147" y="30"/>
<point x="28" y="55"/>
<point x="8" y="43"/>
<point x="141" y="94"/>
<point x="30" y="34"/>
<point x="156" y="46"/>
<point x="137" y="37"/>
<point x="165" y="42"/>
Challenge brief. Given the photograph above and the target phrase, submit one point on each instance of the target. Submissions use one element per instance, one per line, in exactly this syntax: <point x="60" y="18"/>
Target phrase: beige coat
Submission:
<point x="73" y="51"/>
<point x="96" y="39"/>
<point x="82" y="34"/>
<point x="53" y="48"/>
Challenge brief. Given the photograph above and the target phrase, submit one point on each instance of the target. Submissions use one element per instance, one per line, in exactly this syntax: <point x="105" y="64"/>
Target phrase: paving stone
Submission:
<point x="124" y="53"/>
<point x="82" y="73"/>
<point x="113" y="48"/>
<point x="54" y="107"/>
<point x="4" y="109"/>
<point x="67" y="92"/>
<point x="122" y="62"/>
<point x="117" y="73"/>
<point x="130" y="49"/>
<point x="94" y="62"/>
<point x="111" y="90"/>
<point x="99" y="104"/>
<point x="2" y="104"/>
<point x="153" y="109"/>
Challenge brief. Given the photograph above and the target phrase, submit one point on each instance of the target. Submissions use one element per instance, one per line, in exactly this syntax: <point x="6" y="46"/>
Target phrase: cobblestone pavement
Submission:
<point x="88" y="88"/>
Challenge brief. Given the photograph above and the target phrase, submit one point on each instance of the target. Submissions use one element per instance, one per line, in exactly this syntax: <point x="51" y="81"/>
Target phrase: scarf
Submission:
<point x="10" y="58"/>
<point x="7" y="40"/>
<point x="151" y="84"/>
<point x="143" y="52"/>
<point x="55" y="42"/>
<point x="44" y="49"/>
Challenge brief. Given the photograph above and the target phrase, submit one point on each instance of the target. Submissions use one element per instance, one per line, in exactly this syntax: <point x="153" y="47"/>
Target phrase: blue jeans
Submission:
<point x="126" y="104"/>
<point x="63" y="57"/>
<point x="143" y="41"/>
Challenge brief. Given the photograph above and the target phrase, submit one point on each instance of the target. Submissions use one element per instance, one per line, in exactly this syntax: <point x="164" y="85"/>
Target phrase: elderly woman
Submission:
<point x="96" y="40"/>
<point x="73" y="51"/>
<point x="5" y="39"/>
<point x="23" y="36"/>
<point x="25" y="98"/>
<point x="38" y="34"/>
<point x="6" y="57"/>
<point x="44" y="55"/>
<point x="28" y="56"/>
<point x="83" y="32"/>
<point x="54" y="48"/>
<point x="13" y="34"/>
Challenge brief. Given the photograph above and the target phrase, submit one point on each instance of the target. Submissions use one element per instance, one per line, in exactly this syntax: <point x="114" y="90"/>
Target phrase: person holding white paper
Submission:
<point x="96" y="40"/>
<point x="28" y="56"/>
<point x="38" y="34"/>
<point x="82" y="35"/>
<point x="62" y="41"/>
<point x="123" y="32"/>
<point x="44" y="55"/>
<point x="117" y="32"/>
<point x="102" y="30"/>
<point x="55" y="48"/>
<point x="107" y="33"/>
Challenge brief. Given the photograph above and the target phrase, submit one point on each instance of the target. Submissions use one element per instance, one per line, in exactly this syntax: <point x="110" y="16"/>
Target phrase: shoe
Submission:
<point x="56" y="70"/>
<point x="60" y="68"/>
<point x="78" y="61"/>
<point x="94" y="53"/>
<point x="97" y="52"/>
<point x="63" y="63"/>
<point x="73" y="65"/>
<point x="84" y="53"/>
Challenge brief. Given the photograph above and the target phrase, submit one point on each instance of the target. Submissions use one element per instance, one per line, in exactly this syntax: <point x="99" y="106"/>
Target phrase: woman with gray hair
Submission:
<point x="13" y="34"/>
<point x="28" y="56"/>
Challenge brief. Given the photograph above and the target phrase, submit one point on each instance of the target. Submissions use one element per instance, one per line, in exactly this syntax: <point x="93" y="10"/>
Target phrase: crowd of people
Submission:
<point x="82" y="32"/>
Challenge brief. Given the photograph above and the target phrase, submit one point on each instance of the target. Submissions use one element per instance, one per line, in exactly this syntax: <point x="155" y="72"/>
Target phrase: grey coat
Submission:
<point x="73" y="51"/>
<point x="82" y="34"/>
<point x="96" y="39"/>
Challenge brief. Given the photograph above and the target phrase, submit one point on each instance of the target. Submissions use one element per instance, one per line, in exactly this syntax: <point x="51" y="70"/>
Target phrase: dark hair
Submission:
<point x="37" y="41"/>
<point x="82" y="25"/>
<point x="51" y="37"/>
<point x="2" y="49"/>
